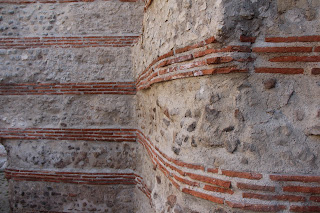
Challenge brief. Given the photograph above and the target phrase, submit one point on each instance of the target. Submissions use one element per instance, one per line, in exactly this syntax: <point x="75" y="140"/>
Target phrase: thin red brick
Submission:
<point x="279" y="70"/>
<point x="218" y="189"/>
<point x="291" y="198"/>
<point x="214" y="181"/>
<point x="246" y="175"/>
<point x="293" y="39"/>
<point x="203" y="196"/>
<point x="305" y="179"/>
<point x="255" y="187"/>
<point x="295" y="59"/>
<point x="188" y="182"/>
<point x="281" y="49"/>
<point x="213" y="170"/>
<point x="219" y="60"/>
<point x="203" y="53"/>
<point x="190" y="47"/>
<point x="192" y="65"/>
<point x="210" y="40"/>
<point x="305" y="208"/>
<point x="302" y="189"/>
<point x="315" y="198"/>
<point x="315" y="71"/>
<point x="256" y="207"/>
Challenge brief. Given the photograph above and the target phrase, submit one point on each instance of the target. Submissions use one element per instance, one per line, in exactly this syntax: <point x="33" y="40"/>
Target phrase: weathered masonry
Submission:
<point x="161" y="106"/>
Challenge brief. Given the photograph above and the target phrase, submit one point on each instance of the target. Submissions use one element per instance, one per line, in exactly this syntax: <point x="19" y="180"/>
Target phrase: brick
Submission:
<point x="218" y="189"/>
<point x="176" y="60"/>
<point x="315" y="198"/>
<point x="188" y="182"/>
<point x="203" y="53"/>
<point x="204" y="72"/>
<point x="246" y="175"/>
<point x="192" y="65"/>
<point x="291" y="198"/>
<point x="219" y="60"/>
<point x="256" y="207"/>
<point x="214" y="181"/>
<point x="281" y="49"/>
<point x="190" y="47"/>
<point x="174" y="183"/>
<point x="305" y="179"/>
<point x="236" y="49"/>
<point x="169" y="54"/>
<point x="226" y="70"/>
<point x="247" y="39"/>
<point x="293" y="39"/>
<point x="317" y="49"/>
<point x="213" y="170"/>
<point x="315" y="71"/>
<point x="255" y="187"/>
<point x="279" y="70"/>
<point x="295" y="59"/>
<point x="203" y="196"/>
<point x="210" y="40"/>
<point x="302" y="189"/>
<point x="187" y="165"/>
<point x="305" y="208"/>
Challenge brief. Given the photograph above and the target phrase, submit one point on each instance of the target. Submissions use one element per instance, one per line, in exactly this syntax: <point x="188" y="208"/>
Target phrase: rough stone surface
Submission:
<point x="71" y="155"/>
<point x="224" y="126"/>
<point x="268" y="135"/>
<point x="65" y="65"/>
<point x="99" y="17"/>
<point x="37" y="196"/>
<point x="4" y="198"/>
<point x="67" y="111"/>
<point x="265" y="123"/>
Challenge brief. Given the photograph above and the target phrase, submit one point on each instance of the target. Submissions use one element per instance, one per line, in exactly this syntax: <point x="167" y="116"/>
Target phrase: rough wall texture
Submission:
<point x="214" y="109"/>
<point x="67" y="106"/>
<point x="240" y="127"/>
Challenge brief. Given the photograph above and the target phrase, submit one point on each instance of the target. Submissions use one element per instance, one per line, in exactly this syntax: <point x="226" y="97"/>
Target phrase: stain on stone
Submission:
<point x="166" y="122"/>
<point x="171" y="200"/>
<point x="176" y="150"/>
<point x="228" y="129"/>
<point x="158" y="178"/>
<point x="193" y="142"/>
<point x="211" y="114"/>
<point x="188" y="114"/>
<point x="231" y="144"/>
<point x="238" y="115"/>
<point x="270" y="83"/>
<point x="192" y="127"/>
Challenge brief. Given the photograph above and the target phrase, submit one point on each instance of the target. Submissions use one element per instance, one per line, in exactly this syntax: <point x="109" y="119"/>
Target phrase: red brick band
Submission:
<point x="66" y="42"/>
<point x="195" y="60"/>
<point x="72" y="177"/>
<point x="119" y="88"/>
<point x="207" y="57"/>
<point x="53" y="1"/>
<point x="83" y="178"/>
<point x="196" y="180"/>
<point x="294" y="192"/>
<point x="108" y="135"/>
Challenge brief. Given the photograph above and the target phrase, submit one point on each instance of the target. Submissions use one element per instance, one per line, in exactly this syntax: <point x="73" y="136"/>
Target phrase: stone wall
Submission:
<point x="204" y="106"/>
<point x="67" y="96"/>
<point x="228" y="102"/>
